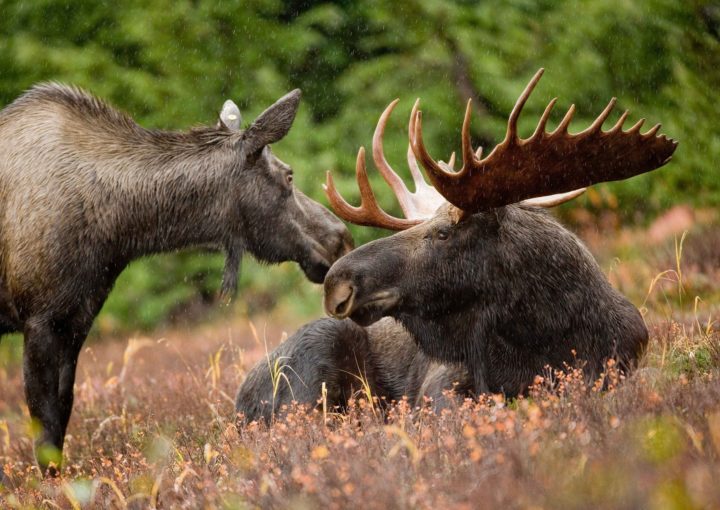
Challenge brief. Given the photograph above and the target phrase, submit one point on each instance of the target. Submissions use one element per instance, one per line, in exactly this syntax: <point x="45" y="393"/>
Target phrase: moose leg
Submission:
<point x="41" y="371"/>
<point x="66" y="382"/>
<point x="71" y="337"/>
<point x="69" y="353"/>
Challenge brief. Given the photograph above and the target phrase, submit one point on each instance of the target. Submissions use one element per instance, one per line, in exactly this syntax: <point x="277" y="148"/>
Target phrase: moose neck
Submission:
<point x="454" y="337"/>
<point x="167" y="196"/>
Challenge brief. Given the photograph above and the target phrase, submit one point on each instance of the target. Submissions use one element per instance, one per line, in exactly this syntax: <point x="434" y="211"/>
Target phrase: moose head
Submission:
<point x="270" y="217"/>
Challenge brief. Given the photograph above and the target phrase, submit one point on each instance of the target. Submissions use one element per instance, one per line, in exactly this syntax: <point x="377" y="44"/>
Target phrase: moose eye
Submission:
<point x="442" y="234"/>
<point x="289" y="178"/>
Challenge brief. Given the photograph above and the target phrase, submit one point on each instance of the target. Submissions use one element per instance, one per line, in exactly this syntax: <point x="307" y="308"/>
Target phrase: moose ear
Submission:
<point x="230" y="116"/>
<point x="274" y="123"/>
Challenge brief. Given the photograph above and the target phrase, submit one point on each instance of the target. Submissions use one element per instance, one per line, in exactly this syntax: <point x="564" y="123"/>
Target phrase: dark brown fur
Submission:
<point x="340" y="353"/>
<point x="506" y="293"/>
<point x="488" y="304"/>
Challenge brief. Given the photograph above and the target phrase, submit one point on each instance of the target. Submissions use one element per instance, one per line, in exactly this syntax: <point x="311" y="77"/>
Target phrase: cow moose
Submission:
<point x="84" y="190"/>
<point x="482" y="286"/>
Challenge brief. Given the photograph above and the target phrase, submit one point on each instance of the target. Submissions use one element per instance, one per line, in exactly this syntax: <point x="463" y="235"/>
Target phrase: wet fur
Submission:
<point x="84" y="190"/>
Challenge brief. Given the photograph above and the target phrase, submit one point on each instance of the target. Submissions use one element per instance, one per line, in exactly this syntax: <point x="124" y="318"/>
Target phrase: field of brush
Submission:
<point x="154" y="427"/>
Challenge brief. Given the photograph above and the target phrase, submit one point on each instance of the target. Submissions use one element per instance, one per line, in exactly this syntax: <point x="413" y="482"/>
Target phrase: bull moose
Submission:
<point x="482" y="286"/>
<point x="84" y="190"/>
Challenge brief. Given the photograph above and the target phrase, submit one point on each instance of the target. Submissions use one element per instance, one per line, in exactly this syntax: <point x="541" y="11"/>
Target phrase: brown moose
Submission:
<point x="84" y="190"/>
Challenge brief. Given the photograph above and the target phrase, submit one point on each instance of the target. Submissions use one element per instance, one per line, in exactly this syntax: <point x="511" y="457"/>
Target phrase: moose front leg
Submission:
<point x="41" y="369"/>
<point x="66" y="379"/>
<point x="51" y="355"/>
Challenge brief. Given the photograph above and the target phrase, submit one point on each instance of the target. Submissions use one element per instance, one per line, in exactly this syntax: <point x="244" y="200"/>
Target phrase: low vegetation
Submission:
<point x="154" y="423"/>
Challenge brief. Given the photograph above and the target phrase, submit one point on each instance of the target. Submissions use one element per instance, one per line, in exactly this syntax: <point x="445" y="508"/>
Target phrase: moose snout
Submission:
<point x="339" y="299"/>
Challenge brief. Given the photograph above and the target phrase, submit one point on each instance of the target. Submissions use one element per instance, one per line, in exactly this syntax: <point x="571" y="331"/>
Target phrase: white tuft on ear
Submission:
<point x="230" y="116"/>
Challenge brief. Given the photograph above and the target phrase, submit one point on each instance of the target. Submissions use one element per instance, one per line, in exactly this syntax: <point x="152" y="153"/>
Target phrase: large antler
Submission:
<point x="545" y="163"/>
<point x="417" y="206"/>
<point x="369" y="213"/>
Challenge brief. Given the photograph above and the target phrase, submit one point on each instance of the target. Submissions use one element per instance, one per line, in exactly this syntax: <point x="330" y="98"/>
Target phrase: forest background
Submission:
<point x="171" y="65"/>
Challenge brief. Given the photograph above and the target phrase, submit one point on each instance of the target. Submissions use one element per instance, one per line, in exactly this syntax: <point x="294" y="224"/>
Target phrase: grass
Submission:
<point x="154" y="427"/>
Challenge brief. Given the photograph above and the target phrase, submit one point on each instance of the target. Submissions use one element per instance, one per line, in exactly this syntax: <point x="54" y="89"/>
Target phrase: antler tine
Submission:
<point x="540" y="129"/>
<point x="511" y="135"/>
<point x="417" y="175"/>
<point x="369" y="213"/>
<point x="595" y="126"/>
<point x="468" y="155"/>
<point x="449" y="167"/>
<point x="451" y="161"/>
<point x="338" y="203"/>
<point x="619" y="124"/>
<point x="636" y="127"/>
<point x="563" y="126"/>
<point x="554" y="200"/>
<point x="652" y="131"/>
<point x="393" y="179"/>
<point x="437" y="175"/>
<point x="415" y="169"/>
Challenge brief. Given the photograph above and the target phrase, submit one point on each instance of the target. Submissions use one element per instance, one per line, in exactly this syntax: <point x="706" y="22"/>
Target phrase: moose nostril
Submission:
<point x="339" y="300"/>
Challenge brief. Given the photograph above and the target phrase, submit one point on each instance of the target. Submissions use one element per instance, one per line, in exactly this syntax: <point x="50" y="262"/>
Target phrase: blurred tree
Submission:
<point x="172" y="64"/>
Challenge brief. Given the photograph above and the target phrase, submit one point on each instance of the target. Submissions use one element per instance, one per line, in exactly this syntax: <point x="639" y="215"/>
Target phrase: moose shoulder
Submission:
<point x="84" y="190"/>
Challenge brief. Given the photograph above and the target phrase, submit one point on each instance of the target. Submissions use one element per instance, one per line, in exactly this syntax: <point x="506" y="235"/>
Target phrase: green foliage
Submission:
<point x="172" y="64"/>
<point x="10" y="350"/>
<point x="151" y="289"/>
